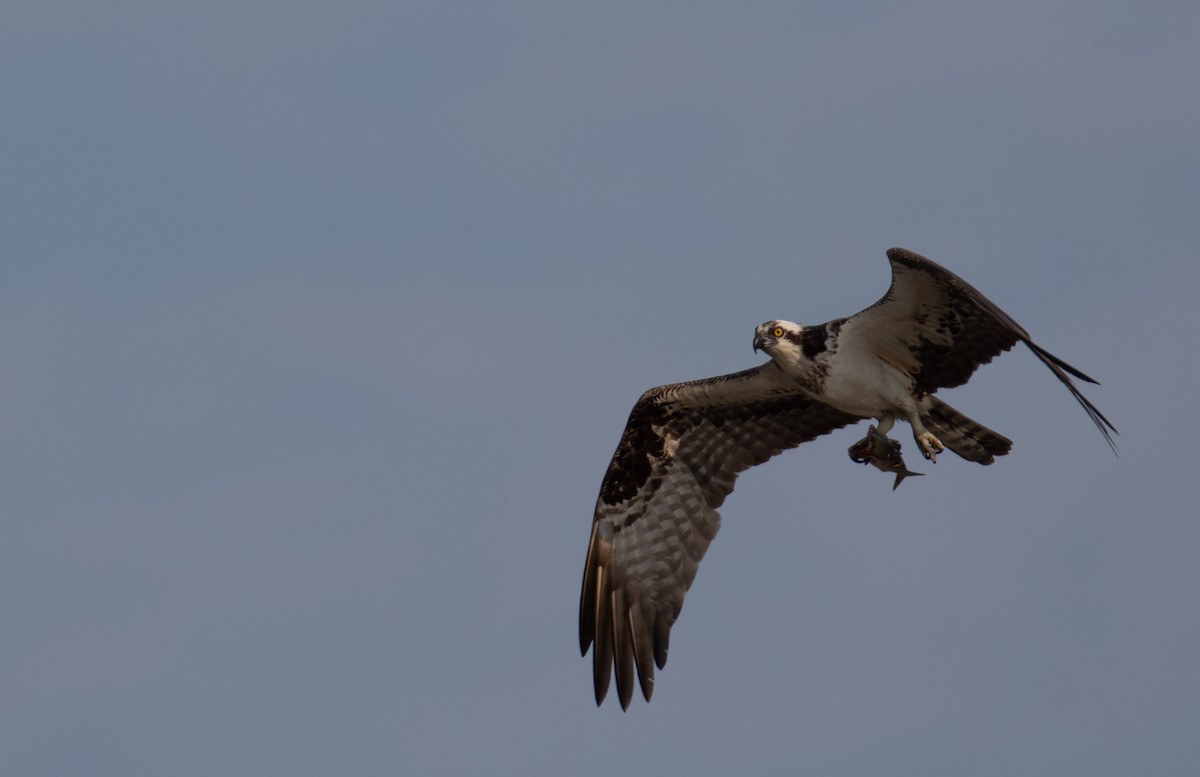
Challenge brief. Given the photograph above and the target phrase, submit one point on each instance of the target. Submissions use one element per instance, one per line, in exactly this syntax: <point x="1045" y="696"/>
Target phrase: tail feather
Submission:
<point x="969" y="439"/>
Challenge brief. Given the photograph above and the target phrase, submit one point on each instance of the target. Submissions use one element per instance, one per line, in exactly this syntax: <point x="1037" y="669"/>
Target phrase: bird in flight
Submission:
<point x="685" y="443"/>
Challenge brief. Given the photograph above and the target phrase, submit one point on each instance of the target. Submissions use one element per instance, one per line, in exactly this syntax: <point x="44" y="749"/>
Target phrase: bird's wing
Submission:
<point x="682" y="449"/>
<point x="940" y="329"/>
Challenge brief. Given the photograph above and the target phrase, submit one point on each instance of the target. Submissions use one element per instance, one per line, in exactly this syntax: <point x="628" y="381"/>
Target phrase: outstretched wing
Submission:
<point x="940" y="329"/>
<point x="682" y="449"/>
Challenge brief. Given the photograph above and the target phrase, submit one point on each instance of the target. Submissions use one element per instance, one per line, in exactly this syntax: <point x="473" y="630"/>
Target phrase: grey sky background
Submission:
<point x="320" y="322"/>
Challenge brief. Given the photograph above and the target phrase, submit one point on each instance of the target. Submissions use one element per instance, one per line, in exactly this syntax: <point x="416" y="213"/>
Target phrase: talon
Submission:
<point x="930" y="446"/>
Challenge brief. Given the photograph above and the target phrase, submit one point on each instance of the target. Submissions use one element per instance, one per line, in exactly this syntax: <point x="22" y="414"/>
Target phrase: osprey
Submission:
<point x="685" y="443"/>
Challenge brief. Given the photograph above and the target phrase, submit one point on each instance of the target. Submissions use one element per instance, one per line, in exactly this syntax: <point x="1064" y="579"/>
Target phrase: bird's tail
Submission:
<point x="969" y="439"/>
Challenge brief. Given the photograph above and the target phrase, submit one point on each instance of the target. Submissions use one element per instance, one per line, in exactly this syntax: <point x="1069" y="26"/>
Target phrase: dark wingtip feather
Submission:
<point x="602" y="647"/>
<point x="622" y="648"/>
<point x="587" y="605"/>
<point x="1046" y="355"/>
<point x="662" y="640"/>
<point x="643" y="650"/>
<point x="1061" y="369"/>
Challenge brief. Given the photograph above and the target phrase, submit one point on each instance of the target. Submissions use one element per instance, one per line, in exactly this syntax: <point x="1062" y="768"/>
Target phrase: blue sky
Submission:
<point x="320" y="322"/>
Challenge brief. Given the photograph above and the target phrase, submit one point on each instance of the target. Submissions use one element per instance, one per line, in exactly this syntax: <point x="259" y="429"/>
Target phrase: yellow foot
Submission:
<point x="930" y="445"/>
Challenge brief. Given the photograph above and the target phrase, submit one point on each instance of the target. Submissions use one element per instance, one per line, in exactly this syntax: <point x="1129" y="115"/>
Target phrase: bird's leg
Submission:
<point x="886" y="422"/>
<point x="885" y="447"/>
<point x="930" y="445"/>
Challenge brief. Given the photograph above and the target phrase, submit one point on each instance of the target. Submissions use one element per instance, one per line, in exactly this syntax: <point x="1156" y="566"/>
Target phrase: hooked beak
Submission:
<point x="758" y="342"/>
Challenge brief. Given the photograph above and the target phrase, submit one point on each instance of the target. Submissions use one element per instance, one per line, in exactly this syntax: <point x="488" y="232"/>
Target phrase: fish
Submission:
<point x="883" y="452"/>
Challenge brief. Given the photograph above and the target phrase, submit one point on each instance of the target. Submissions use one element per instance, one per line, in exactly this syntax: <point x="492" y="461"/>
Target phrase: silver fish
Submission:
<point x="883" y="452"/>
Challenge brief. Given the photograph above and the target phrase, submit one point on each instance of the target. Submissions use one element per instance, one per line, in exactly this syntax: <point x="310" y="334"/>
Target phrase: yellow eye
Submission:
<point x="777" y="331"/>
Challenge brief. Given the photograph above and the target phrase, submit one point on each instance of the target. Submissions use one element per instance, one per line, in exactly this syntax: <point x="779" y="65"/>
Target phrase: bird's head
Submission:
<point x="778" y="338"/>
